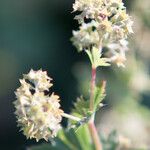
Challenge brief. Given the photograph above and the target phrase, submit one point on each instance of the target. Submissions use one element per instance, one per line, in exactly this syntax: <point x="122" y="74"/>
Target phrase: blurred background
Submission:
<point x="36" y="34"/>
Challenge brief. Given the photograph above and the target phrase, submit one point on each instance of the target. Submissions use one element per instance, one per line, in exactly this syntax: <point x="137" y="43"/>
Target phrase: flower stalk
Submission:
<point x="71" y="117"/>
<point x="91" y="125"/>
<point x="94" y="135"/>
<point x="92" y="88"/>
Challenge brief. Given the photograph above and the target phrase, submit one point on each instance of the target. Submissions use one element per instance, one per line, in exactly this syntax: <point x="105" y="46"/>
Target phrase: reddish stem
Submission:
<point x="95" y="136"/>
<point x="91" y="125"/>
<point x="92" y="88"/>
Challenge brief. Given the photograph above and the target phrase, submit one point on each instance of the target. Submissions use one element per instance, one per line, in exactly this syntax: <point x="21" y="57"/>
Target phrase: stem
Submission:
<point x="95" y="136"/>
<point x="91" y="125"/>
<point x="71" y="117"/>
<point x="92" y="88"/>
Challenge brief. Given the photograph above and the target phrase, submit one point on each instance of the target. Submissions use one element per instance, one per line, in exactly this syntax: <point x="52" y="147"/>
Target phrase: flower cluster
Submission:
<point x="38" y="114"/>
<point x="103" y="23"/>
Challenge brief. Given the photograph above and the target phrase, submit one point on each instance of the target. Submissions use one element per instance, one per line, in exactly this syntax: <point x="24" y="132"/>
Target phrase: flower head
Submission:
<point x="108" y="23"/>
<point x="85" y="37"/>
<point x="38" y="114"/>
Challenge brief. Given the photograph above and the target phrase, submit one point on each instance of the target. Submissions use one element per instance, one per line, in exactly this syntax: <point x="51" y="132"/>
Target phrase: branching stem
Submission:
<point x="71" y="117"/>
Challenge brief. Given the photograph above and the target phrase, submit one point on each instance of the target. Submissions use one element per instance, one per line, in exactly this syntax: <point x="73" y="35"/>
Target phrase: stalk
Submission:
<point x="91" y="125"/>
<point x="94" y="135"/>
<point x="71" y="117"/>
<point x="92" y="88"/>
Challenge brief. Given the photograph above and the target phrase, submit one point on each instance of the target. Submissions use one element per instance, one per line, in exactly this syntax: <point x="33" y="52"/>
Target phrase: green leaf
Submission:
<point x="90" y="56"/>
<point x="95" y="58"/>
<point x="81" y="110"/>
<point x="99" y="95"/>
<point x="80" y="140"/>
<point x="74" y="140"/>
<point x="81" y="107"/>
<point x="69" y="140"/>
<point x="84" y="137"/>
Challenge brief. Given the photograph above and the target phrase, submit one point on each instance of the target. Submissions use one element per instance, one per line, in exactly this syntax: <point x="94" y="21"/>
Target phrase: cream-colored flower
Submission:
<point x="105" y="26"/>
<point x="112" y="25"/>
<point x="38" y="114"/>
<point x="88" y="7"/>
<point x="40" y="79"/>
<point x="85" y="37"/>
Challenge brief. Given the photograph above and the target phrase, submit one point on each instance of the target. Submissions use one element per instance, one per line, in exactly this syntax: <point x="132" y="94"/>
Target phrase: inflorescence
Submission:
<point x="104" y="24"/>
<point x="38" y="114"/>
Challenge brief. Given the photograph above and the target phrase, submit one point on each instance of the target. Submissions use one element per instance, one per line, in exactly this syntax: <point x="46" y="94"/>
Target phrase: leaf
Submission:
<point x="90" y="56"/>
<point x="80" y="140"/>
<point x="95" y="58"/>
<point x="84" y="137"/>
<point x="99" y="95"/>
<point x="69" y="140"/>
<point x="72" y="140"/>
<point x="81" y="110"/>
<point x="81" y="107"/>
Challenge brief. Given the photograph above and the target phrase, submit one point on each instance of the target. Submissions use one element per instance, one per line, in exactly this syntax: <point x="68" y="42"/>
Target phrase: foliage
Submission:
<point x="81" y="140"/>
<point x="95" y="58"/>
<point x="81" y="106"/>
<point x="99" y="95"/>
<point x="69" y="140"/>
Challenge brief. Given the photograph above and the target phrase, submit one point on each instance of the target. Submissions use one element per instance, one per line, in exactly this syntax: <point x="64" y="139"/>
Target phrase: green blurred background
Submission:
<point x="36" y="34"/>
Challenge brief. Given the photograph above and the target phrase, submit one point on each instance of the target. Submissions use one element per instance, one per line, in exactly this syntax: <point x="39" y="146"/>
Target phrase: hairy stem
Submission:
<point x="91" y="125"/>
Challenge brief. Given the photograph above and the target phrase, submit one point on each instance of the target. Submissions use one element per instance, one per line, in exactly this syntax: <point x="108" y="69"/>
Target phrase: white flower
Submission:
<point x="38" y="114"/>
<point x="89" y="8"/>
<point x="108" y="25"/>
<point x="85" y="37"/>
<point x="39" y="79"/>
